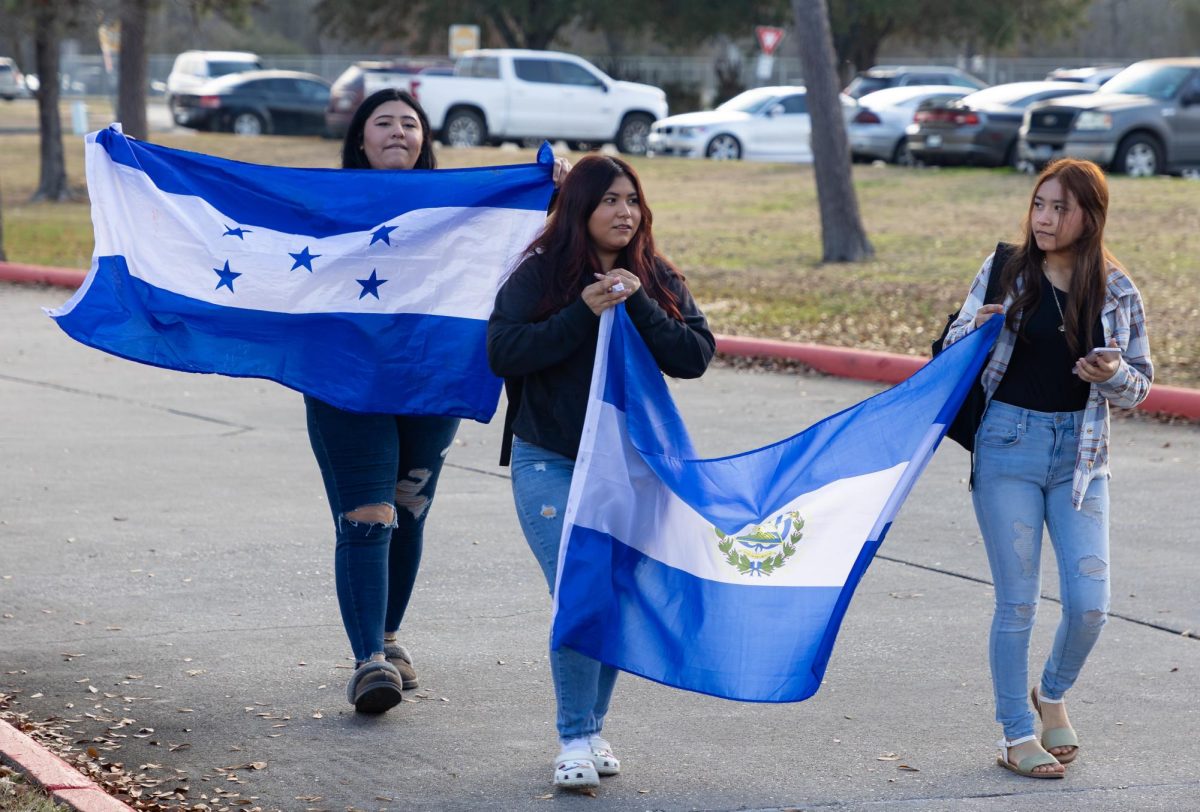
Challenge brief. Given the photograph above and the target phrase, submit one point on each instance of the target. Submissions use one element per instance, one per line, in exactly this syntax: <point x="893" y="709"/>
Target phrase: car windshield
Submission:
<point x="862" y="85"/>
<point x="1156" y="81"/>
<point x="225" y="68"/>
<point x="1015" y="95"/>
<point x="749" y="102"/>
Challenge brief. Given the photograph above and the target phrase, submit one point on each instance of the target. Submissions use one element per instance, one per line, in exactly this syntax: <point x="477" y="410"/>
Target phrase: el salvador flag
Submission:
<point x="367" y="289"/>
<point x="731" y="576"/>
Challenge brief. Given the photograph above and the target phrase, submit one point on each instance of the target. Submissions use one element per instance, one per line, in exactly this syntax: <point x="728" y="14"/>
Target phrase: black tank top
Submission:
<point x="1039" y="375"/>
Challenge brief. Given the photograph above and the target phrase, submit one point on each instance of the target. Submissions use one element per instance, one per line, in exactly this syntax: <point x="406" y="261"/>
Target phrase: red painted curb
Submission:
<point x="890" y="367"/>
<point x="40" y="275"/>
<point x="66" y="784"/>
<point x="862" y="365"/>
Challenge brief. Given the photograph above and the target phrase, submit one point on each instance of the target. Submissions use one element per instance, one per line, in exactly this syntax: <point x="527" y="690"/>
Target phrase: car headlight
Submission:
<point x="690" y="131"/>
<point x="1091" y="120"/>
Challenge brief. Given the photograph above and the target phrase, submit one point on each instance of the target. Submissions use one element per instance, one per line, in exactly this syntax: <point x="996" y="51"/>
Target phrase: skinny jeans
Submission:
<point x="541" y="483"/>
<point x="1024" y="463"/>
<point x="377" y="459"/>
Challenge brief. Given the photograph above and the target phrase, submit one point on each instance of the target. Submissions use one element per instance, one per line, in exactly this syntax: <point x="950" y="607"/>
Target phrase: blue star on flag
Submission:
<point x="227" y="277"/>
<point x="371" y="285"/>
<point x="303" y="259"/>
<point x="238" y="232"/>
<point x="382" y="235"/>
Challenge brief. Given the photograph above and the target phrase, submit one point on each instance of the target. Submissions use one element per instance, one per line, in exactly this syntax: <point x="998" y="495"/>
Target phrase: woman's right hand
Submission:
<point x="600" y="295"/>
<point x="984" y="313"/>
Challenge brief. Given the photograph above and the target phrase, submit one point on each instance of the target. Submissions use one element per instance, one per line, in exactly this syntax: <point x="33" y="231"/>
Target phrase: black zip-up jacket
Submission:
<point x="547" y="365"/>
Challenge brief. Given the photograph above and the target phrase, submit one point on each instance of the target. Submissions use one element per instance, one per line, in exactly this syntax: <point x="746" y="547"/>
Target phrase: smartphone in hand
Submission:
<point x="1111" y="352"/>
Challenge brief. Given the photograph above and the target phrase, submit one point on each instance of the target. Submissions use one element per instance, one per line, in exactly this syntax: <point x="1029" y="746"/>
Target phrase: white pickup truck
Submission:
<point x="516" y="95"/>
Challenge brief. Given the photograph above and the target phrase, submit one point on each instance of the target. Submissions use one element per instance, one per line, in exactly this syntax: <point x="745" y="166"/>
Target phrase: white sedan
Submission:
<point x="766" y="124"/>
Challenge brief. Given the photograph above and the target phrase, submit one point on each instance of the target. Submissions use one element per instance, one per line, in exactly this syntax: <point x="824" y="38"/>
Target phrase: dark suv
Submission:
<point x="882" y="76"/>
<point x="1143" y="121"/>
<point x="363" y="78"/>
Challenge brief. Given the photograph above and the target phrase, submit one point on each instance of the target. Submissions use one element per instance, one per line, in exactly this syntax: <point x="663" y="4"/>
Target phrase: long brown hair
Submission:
<point x="565" y="244"/>
<point x="1083" y="181"/>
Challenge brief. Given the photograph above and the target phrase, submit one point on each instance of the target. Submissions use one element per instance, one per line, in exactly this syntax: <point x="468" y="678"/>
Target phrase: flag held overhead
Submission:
<point x="367" y="289"/>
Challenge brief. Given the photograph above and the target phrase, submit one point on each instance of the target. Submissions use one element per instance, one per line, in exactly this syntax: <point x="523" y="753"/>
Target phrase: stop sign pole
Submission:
<point x="769" y="38"/>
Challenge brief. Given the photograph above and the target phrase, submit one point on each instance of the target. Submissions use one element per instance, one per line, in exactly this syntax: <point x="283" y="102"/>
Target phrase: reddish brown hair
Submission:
<point x="565" y="244"/>
<point x="1084" y="182"/>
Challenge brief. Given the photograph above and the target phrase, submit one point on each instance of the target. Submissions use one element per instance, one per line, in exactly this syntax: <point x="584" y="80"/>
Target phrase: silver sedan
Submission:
<point x="877" y="130"/>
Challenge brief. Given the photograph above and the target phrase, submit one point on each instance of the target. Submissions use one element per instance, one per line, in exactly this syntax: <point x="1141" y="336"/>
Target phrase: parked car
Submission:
<point x="12" y="83"/>
<point x="1094" y="76"/>
<point x="283" y="102"/>
<point x="514" y="95"/>
<point x="766" y="123"/>
<point x="193" y="68"/>
<point x="884" y="76"/>
<point x="980" y="128"/>
<point x="364" y="78"/>
<point x="877" y="130"/>
<point x="1144" y="121"/>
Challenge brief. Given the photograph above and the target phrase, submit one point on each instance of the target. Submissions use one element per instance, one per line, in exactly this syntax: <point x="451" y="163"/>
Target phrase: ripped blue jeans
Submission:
<point x="370" y="460"/>
<point x="1024" y="462"/>
<point x="541" y="482"/>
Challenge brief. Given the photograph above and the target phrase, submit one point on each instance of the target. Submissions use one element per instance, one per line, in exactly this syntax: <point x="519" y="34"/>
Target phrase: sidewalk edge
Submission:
<point x="65" y="784"/>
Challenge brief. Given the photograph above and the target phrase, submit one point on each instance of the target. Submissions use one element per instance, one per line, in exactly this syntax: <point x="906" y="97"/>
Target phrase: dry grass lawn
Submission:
<point x="747" y="235"/>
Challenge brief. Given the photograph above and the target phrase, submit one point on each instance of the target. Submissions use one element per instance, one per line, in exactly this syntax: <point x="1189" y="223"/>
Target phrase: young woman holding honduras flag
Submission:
<point x="381" y="470"/>
<point x="595" y="252"/>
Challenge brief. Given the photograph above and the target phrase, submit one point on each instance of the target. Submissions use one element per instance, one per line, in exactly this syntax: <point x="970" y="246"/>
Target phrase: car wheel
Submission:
<point x="247" y="124"/>
<point x="1139" y="156"/>
<point x="464" y="128"/>
<point x="582" y="146"/>
<point x="901" y="155"/>
<point x="633" y="135"/>
<point x="724" y="147"/>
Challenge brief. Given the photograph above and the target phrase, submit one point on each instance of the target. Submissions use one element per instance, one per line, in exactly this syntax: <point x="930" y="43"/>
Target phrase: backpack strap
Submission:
<point x="1004" y="250"/>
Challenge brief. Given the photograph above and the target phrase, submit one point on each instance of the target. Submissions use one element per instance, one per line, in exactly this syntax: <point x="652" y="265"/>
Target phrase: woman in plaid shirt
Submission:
<point x="1041" y="453"/>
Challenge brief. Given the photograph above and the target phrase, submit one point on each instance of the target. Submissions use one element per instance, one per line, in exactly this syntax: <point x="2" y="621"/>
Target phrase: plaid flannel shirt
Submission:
<point x="1124" y="322"/>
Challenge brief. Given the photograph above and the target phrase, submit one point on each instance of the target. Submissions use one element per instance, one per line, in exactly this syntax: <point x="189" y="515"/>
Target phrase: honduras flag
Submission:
<point x="367" y="289"/>
<point x="731" y="576"/>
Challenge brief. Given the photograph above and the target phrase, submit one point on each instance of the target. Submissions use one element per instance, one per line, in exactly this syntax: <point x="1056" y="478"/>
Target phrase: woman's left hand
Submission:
<point x="561" y="167"/>
<point x="1098" y="367"/>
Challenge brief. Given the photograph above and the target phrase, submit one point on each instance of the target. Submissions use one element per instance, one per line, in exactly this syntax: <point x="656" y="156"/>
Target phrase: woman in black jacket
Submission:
<point x="596" y="251"/>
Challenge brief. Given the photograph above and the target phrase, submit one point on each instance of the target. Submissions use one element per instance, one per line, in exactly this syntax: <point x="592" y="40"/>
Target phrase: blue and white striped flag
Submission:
<point x="731" y="576"/>
<point x="367" y="289"/>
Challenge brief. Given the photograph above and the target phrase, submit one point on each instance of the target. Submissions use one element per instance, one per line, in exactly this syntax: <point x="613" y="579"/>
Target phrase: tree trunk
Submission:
<point x="843" y="238"/>
<point x="131" y="84"/>
<point x="52" y="184"/>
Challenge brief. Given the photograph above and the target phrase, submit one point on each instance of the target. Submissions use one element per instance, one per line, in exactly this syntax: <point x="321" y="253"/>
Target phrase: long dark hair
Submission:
<point x="565" y="244"/>
<point x="353" y="155"/>
<point x="1085" y="182"/>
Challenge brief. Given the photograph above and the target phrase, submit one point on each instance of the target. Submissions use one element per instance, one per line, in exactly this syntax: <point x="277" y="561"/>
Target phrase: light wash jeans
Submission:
<point x="541" y="482"/>
<point x="1024" y="462"/>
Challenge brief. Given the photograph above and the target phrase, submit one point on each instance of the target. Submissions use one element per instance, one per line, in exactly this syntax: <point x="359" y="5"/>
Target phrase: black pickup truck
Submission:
<point x="1144" y="121"/>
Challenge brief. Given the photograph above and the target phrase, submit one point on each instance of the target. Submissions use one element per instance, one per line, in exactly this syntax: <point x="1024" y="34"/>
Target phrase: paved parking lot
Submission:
<point x="164" y="541"/>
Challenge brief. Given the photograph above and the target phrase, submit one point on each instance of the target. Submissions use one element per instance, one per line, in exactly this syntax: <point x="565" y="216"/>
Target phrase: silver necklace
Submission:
<point x="1062" y="319"/>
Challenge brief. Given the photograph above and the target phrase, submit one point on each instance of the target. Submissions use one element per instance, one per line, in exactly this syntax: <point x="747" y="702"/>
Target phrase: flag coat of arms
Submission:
<point x="731" y="576"/>
<point x="367" y="289"/>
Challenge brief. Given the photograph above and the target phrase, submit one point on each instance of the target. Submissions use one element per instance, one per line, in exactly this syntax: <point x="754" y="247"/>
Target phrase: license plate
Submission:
<point x="933" y="141"/>
<point x="1042" y="151"/>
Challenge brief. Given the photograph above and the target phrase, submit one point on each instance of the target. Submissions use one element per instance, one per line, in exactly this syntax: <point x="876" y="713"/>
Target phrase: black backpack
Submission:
<point x="966" y="422"/>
